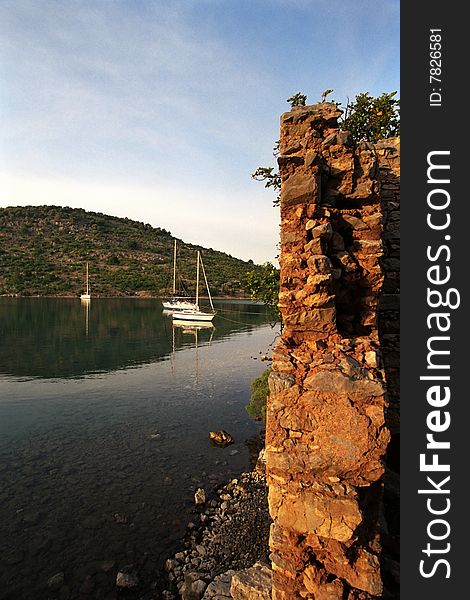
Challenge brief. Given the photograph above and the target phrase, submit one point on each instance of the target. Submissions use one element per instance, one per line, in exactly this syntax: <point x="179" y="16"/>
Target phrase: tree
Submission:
<point x="372" y="119"/>
<point x="263" y="285"/>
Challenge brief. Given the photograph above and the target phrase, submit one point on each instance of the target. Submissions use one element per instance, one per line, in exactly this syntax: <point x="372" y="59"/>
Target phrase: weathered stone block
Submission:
<point x="315" y="319"/>
<point x="323" y="231"/>
<point x="314" y="246"/>
<point x="290" y="237"/>
<point x="300" y="187"/>
<point x="307" y="512"/>
<point x="279" y="382"/>
<point x="316" y="583"/>
<point x="319" y="264"/>
<point x="336" y="382"/>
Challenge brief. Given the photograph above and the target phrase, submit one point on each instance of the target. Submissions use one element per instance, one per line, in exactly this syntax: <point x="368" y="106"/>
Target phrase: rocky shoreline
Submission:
<point x="226" y="547"/>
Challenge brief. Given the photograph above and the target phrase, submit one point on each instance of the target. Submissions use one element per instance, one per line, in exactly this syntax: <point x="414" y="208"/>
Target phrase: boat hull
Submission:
<point x="193" y="316"/>
<point x="178" y="305"/>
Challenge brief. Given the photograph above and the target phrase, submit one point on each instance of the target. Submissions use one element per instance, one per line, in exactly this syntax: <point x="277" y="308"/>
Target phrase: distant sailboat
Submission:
<point x="86" y="295"/>
<point x="177" y="302"/>
<point x="197" y="314"/>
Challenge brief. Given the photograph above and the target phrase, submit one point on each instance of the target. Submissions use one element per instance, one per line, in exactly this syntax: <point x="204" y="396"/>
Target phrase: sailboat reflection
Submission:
<point x="85" y="302"/>
<point x="191" y="328"/>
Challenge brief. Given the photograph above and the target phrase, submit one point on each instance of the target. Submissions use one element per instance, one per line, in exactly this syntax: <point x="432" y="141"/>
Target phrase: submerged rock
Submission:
<point x="221" y="438"/>
<point x="199" y="497"/>
<point x="107" y="565"/>
<point x="14" y="556"/>
<point x="87" y="586"/>
<point x="121" y="519"/>
<point x="55" y="582"/>
<point x="127" y="578"/>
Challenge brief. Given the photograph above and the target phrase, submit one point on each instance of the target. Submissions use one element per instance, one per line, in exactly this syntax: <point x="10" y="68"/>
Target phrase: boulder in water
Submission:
<point x="221" y="438"/>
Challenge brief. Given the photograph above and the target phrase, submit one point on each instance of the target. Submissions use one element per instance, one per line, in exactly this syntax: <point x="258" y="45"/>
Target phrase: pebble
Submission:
<point x="171" y="564"/>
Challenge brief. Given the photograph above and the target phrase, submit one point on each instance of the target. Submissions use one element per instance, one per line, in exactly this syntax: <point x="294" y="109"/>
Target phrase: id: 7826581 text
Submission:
<point x="435" y="67"/>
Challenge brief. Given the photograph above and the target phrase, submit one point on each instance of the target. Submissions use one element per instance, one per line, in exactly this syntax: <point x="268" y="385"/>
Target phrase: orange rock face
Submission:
<point x="326" y="433"/>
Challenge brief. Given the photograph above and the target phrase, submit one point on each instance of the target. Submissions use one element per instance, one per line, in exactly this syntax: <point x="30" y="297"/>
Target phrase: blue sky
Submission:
<point x="160" y="110"/>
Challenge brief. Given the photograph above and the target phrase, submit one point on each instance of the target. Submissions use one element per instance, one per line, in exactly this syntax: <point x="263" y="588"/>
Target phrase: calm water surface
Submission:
<point x="104" y="418"/>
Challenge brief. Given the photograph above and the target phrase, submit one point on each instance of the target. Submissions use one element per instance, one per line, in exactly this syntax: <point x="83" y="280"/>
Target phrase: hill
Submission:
<point x="44" y="249"/>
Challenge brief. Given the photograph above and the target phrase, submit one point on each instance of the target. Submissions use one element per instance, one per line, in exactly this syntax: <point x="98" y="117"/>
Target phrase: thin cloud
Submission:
<point x="244" y="234"/>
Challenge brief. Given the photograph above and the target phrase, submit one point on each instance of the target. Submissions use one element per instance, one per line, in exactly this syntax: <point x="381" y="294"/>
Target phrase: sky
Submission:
<point x="159" y="110"/>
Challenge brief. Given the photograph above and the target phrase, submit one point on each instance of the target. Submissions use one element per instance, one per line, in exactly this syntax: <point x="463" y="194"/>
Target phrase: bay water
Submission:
<point x="105" y="413"/>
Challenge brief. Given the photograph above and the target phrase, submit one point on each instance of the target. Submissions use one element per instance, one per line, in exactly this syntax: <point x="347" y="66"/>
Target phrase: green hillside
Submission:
<point x="44" y="250"/>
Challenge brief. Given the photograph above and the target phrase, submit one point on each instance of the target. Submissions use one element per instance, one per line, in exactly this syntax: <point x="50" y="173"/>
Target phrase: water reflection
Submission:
<point x="62" y="338"/>
<point x="190" y="328"/>
<point x="86" y="303"/>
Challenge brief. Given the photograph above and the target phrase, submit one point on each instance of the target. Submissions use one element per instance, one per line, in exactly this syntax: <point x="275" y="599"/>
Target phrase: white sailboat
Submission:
<point x="176" y="303"/>
<point x="86" y="295"/>
<point x="197" y="315"/>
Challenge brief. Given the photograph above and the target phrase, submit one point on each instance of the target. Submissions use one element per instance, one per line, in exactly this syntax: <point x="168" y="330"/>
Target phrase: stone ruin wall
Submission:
<point x="330" y="415"/>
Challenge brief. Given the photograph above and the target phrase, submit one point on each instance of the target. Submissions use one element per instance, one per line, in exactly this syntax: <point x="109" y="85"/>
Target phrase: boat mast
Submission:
<point x="87" y="290"/>
<point x="174" y="270"/>
<point x="207" y="284"/>
<point x="197" y="280"/>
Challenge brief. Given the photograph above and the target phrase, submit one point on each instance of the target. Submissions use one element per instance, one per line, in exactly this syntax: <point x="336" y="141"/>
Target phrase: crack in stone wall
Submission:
<point x="327" y="422"/>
